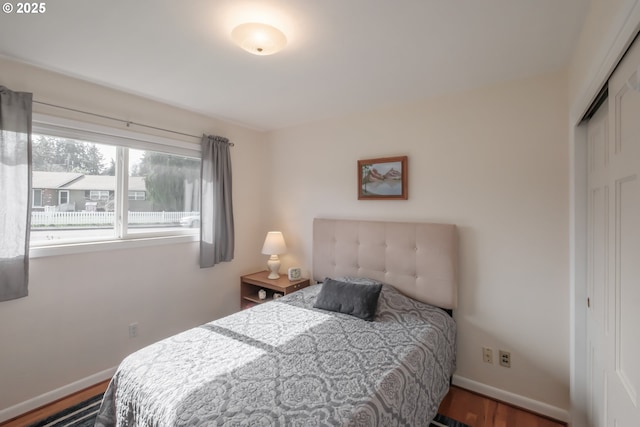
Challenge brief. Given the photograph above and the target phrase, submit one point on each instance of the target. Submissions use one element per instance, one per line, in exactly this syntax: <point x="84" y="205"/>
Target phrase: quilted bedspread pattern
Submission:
<point x="285" y="363"/>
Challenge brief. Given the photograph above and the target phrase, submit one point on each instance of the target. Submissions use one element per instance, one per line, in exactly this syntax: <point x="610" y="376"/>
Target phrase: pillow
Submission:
<point x="356" y="299"/>
<point x="359" y="280"/>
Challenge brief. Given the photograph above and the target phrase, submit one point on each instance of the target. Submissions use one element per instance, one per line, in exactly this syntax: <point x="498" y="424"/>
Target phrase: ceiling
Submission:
<point x="342" y="56"/>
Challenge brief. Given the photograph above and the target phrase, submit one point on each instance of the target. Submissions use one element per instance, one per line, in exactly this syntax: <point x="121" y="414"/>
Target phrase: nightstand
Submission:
<point x="250" y="284"/>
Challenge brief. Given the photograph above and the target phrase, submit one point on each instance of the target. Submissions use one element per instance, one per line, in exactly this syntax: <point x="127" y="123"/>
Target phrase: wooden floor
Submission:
<point x="57" y="406"/>
<point x="460" y="404"/>
<point x="480" y="411"/>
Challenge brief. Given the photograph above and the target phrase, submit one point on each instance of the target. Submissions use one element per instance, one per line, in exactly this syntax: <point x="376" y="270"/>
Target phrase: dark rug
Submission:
<point x="81" y="415"/>
<point x="84" y="415"/>
<point x="442" y="421"/>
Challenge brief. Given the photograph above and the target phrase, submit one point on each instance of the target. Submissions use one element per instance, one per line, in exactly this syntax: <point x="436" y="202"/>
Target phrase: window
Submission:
<point x="136" y="195"/>
<point x="172" y="183"/>
<point x="98" y="194"/>
<point x="63" y="197"/>
<point x="106" y="185"/>
<point x="37" y="198"/>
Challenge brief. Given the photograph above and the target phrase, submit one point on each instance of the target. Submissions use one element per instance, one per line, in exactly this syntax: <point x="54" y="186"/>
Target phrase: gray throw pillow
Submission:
<point x="349" y="298"/>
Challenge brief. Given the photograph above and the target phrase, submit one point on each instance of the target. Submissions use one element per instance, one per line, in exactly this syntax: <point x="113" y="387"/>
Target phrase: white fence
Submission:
<point x="85" y="219"/>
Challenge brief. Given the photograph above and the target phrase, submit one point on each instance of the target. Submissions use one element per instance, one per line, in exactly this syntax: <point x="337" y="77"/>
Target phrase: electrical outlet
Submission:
<point x="505" y="358"/>
<point x="487" y="355"/>
<point x="133" y="330"/>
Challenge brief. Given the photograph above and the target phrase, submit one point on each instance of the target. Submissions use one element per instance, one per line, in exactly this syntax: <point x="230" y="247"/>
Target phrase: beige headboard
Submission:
<point x="418" y="259"/>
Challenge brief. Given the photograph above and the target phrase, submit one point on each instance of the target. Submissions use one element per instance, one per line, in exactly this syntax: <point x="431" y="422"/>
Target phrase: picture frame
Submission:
<point x="384" y="178"/>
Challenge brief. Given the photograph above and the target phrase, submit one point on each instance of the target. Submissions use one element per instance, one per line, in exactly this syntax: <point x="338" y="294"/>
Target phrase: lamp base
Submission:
<point x="274" y="267"/>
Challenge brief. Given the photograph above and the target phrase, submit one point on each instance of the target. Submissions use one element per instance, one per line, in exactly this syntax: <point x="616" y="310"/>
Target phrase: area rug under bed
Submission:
<point x="84" y="415"/>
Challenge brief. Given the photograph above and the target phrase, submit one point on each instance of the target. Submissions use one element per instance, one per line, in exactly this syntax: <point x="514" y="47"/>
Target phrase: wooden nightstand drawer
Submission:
<point x="251" y="284"/>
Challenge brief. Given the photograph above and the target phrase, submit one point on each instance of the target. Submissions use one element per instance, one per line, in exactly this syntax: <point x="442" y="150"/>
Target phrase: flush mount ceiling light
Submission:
<point x="259" y="39"/>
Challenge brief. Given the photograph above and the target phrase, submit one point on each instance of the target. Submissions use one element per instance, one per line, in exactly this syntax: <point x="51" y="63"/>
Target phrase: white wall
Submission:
<point x="74" y="323"/>
<point x="494" y="162"/>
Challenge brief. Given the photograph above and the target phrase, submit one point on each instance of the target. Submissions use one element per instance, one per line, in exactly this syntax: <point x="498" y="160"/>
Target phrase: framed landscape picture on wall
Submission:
<point x="383" y="178"/>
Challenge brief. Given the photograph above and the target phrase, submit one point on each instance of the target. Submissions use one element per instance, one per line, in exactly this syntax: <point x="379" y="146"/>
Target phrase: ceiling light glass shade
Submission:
<point x="259" y="39"/>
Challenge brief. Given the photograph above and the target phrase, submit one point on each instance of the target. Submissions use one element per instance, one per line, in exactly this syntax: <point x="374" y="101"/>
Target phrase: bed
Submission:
<point x="289" y="363"/>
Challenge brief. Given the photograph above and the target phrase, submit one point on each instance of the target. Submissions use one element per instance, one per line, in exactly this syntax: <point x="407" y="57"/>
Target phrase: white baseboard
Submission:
<point x="52" y="396"/>
<point x="514" y="399"/>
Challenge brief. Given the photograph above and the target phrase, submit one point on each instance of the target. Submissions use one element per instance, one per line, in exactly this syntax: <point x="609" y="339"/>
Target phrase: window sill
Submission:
<point x="108" y="245"/>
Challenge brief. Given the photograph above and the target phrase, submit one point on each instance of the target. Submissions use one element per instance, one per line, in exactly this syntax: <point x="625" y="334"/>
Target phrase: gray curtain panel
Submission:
<point x="216" y="211"/>
<point x="15" y="192"/>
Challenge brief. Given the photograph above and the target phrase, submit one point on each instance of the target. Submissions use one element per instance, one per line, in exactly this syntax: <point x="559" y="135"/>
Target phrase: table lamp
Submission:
<point x="274" y="245"/>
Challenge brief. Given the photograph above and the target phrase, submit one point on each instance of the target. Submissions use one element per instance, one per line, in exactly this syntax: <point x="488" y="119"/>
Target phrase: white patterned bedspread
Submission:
<point x="285" y="363"/>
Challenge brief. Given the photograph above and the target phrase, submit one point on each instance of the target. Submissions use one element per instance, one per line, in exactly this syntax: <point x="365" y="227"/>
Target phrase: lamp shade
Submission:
<point x="259" y="39"/>
<point x="274" y="244"/>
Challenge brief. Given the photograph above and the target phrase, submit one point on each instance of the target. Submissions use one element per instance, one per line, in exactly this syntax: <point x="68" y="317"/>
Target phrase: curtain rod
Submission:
<point x="127" y="122"/>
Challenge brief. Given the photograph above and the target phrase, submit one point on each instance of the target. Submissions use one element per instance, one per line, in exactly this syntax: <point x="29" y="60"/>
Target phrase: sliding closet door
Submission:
<point x="613" y="244"/>
<point x="597" y="273"/>
<point x="623" y="340"/>
<point x="613" y="250"/>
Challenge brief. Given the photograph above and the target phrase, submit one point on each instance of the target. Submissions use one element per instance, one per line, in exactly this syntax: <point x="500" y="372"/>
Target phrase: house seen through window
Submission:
<point x="80" y="193"/>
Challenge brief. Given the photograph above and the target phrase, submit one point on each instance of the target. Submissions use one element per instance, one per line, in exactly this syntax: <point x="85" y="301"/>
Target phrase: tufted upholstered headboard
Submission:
<point x="418" y="259"/>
